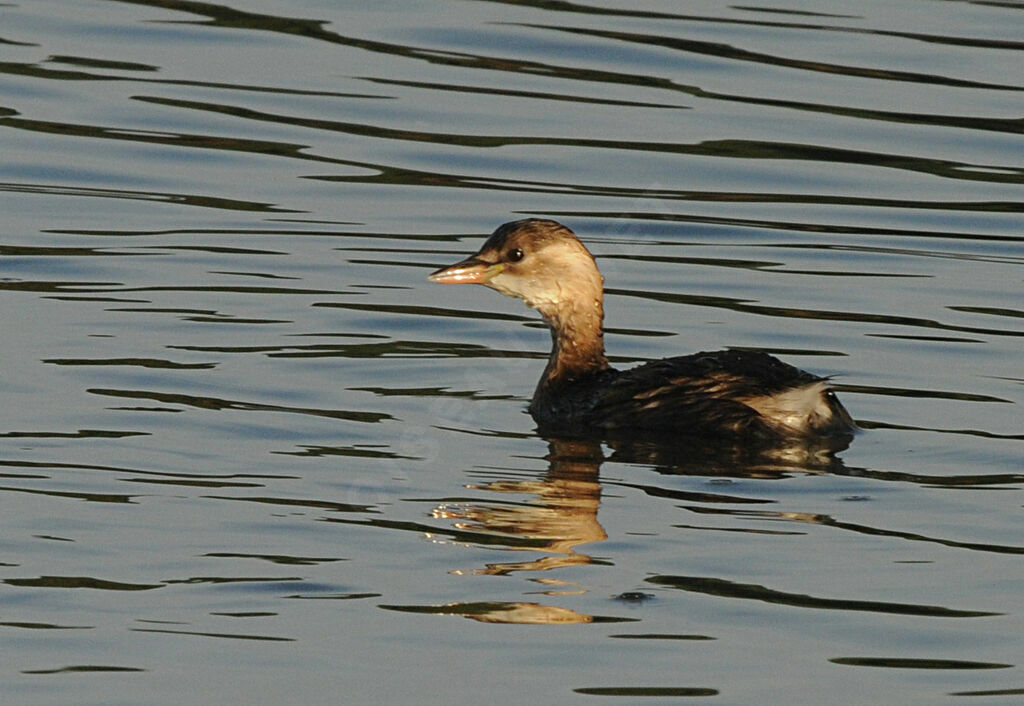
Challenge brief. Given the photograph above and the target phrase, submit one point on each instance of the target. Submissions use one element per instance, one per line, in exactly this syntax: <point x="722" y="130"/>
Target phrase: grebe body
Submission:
<point x="724" y="393"/>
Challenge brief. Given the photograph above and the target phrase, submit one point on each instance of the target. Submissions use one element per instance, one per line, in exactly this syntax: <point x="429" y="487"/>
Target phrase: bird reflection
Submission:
<point x="562" y="514"/>
<point x="718" y="458"/>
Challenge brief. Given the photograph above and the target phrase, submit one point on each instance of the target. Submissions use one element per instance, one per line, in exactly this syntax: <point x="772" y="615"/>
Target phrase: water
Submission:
<point x="250" y="454"/>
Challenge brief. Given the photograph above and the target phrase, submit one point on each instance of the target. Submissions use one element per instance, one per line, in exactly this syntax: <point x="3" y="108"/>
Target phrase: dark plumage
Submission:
<point x="725" y="393"/>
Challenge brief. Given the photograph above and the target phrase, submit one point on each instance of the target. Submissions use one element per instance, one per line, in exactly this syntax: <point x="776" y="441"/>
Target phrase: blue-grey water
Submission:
<point x="250" y="455"/>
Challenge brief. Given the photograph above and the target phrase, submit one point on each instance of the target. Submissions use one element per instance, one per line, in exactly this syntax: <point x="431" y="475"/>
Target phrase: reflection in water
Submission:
<point x="717" y="458"/>
<point x="562" y="516"/>
<point x="563" y="512"/>
<point x="520" y="613"/>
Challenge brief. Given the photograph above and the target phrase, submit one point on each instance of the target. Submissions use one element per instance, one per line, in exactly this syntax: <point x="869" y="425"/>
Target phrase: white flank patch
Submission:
<point x="798" y="408"/>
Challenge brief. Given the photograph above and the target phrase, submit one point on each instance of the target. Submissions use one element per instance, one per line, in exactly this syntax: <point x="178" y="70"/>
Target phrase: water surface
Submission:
<point x="250" y="454"/>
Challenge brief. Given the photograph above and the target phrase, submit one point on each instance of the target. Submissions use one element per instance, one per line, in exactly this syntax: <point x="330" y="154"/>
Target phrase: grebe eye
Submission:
<point x="514" y="255"/>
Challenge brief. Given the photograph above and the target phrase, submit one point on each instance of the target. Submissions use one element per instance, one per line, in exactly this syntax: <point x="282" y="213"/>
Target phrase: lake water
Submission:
<point x="250" y="454"/>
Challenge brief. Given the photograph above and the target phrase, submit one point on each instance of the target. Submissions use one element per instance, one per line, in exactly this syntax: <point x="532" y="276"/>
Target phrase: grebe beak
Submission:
<point x="472" y="270"/>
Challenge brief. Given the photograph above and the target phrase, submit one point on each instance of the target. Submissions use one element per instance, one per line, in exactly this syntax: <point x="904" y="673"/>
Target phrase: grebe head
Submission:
<point x="539" y="261"/>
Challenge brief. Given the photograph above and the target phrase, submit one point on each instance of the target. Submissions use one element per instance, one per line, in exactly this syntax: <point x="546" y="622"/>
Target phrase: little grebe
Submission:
<point x="733" y="393"/>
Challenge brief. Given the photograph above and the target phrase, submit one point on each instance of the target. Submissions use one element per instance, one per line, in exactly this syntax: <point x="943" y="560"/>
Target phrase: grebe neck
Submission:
<point x="577" y="342"/>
